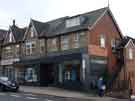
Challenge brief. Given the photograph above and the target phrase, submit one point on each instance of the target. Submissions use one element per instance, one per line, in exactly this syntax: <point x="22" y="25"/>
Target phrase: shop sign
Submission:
<point x="9" y="61"/>
<point x="98" y="61"/>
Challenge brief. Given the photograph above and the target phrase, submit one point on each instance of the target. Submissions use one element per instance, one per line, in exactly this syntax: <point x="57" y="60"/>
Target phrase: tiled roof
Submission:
<point x="2" y="34"/>
<point x="57" y="27"/>
<point x="18" y="32"/>
<point x="125" y="40"/>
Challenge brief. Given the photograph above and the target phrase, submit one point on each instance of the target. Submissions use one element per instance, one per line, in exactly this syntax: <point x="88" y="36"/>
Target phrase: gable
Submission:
<point x="30" y="32"/>
<point x="130" y="44"/>
<point x="115" y="23"/>
<point x="9" y="38"/>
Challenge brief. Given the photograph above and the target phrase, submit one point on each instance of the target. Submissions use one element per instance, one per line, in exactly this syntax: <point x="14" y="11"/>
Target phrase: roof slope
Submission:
<point x="125" y="41"/>
<point x="57" y="27"/>
<point x="17" y="32"/>
<point x="2" y="34"/>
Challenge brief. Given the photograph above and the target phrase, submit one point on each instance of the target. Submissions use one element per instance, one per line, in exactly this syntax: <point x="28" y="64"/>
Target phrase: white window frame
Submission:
<point x="113" y="43"/>
<point x="8" y="51"/>
<point x="76" y="40"/>
<point x="102" y="41"/>
<point x="73" y="22"/>
<point x="130" y="53"/>
<point x="29" y="46"/>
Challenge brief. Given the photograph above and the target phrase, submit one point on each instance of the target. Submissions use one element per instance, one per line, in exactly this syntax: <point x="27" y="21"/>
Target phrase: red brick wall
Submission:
<point x="107" y="27"/>
<point x="128" y="70"/>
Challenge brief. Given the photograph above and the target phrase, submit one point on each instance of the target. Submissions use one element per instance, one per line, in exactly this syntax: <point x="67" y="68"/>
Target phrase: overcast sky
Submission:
<point x="44" y="10"/>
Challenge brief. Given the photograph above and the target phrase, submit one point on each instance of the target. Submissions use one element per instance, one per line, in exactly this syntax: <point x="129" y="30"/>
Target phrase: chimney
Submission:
<point x="14" y="22"/>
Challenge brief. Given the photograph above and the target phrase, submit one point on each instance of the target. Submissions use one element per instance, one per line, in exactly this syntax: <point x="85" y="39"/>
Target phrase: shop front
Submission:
<point x="7" y="68"/>
<point x="68" y="70"/>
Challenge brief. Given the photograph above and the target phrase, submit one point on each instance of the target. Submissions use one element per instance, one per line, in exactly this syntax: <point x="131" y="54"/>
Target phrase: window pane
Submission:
<point x="102" y="41"/>
<point x="130" y="53"/>
<point x="73" y="22"/>
<point x="64" y="42"/>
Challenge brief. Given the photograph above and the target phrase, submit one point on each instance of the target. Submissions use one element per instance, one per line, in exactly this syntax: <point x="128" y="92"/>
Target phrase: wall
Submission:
<point x="107" y="27"/>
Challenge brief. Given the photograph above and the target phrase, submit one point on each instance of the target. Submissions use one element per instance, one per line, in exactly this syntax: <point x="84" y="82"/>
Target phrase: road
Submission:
<point x="20" y="96"/>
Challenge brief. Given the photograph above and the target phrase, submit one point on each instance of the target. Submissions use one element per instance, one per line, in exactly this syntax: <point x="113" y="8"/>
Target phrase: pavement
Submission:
<point x="59" y="92"/>
<point x="21" y="96"/>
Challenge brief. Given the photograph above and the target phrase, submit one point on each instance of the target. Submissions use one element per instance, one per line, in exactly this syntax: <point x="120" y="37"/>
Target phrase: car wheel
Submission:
<point x="2" y="88"/>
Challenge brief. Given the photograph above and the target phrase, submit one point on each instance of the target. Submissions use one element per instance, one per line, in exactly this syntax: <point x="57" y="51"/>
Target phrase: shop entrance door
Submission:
<point x="46" y="74"/>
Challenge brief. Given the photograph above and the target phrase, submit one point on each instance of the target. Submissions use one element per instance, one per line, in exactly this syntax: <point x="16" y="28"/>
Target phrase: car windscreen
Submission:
<point x="4" y="78"/>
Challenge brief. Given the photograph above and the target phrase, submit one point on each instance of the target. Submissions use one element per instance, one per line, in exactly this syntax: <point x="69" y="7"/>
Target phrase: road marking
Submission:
<point x="48" y="100"/>
<point x="29" y="94"/>
<point x="32" y="98"/>
<point x="15" y="95"/>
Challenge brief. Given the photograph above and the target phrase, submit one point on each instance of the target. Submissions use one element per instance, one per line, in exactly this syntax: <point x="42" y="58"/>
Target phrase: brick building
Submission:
<point x="70" y="51"/>
<point x="126" y="78"/>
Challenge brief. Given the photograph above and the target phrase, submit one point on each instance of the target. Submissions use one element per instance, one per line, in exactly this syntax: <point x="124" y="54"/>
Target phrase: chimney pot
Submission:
<point x="14" y="22"/>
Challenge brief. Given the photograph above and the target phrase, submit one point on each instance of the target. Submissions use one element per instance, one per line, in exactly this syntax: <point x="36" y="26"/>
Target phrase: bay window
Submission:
<point x="30" y="47"/>
<point x="8" y="51"/>
<point x="52" y="44"/>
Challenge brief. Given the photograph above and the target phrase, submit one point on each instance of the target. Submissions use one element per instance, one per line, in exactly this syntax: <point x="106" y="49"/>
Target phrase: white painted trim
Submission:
<point x="107" y="9"/>
<point x="115" y="22"/>
<point x="91" y="27"/>
<point x="26" y="32"/>
<point x="129" y="42"/>
<point x="35" y="29"/>
<point x="12" y="35"/>
<point x="7" y="34"/>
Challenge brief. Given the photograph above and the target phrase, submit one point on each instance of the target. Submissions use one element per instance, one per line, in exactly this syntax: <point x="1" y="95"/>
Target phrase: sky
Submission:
<point x="45" y="10"/>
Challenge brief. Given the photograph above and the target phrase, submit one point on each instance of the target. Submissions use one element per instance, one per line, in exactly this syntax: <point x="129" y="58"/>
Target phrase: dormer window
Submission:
<point x="73" y="22"/>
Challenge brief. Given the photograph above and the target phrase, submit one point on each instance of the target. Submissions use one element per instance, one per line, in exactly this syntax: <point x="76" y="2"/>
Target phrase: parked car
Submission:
<point x="8" y="85"/>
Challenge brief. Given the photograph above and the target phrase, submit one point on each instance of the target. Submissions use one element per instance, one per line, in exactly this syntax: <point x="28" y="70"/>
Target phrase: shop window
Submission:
<point x="67" y="75"/>
<point x="30" y="75"/>
<point x="72" y="72"/>
<point x="102" y="41"/>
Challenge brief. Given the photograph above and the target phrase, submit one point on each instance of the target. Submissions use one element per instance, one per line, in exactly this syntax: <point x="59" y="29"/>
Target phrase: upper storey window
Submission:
<point x="102" y="41"/>
<point x="65" y="42"/>
<point x="73" y="22"/>
<point x="130" y="53"/>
